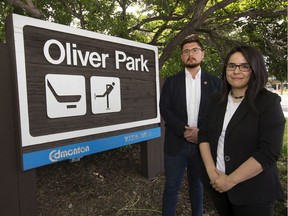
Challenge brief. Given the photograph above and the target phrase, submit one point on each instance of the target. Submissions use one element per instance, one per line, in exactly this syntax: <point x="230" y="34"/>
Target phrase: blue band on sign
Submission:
<point x="39" y="158"/>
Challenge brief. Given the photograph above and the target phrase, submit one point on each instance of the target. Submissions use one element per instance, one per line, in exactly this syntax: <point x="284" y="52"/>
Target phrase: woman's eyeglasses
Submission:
<point x="245" y="67"/>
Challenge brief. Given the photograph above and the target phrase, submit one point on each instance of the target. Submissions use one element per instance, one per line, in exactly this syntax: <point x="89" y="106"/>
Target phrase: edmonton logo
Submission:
<point x="57" y="155"/>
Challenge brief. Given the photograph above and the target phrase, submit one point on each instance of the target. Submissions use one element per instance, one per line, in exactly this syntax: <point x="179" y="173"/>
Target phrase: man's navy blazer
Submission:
<point x="173" y="107"/>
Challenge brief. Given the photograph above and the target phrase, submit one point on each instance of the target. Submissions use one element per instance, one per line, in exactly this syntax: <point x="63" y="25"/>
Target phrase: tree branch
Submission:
<point x="29" y="7"/>
<point x="253" y="14"/>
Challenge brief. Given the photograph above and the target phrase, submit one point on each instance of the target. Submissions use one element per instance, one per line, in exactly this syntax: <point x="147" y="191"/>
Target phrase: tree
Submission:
<point x="164" y="23"/>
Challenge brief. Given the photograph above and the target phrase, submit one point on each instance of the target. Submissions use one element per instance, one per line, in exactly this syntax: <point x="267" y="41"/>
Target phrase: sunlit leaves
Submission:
<point x="221" y="23"/>
<point x="5" y="11"/>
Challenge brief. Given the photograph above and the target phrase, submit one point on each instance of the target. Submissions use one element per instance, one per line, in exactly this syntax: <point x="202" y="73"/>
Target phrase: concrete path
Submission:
<point x="284" y="104"/>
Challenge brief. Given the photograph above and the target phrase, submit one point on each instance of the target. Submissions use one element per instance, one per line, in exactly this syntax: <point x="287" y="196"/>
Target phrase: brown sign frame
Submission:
<point x="43" y="48"/>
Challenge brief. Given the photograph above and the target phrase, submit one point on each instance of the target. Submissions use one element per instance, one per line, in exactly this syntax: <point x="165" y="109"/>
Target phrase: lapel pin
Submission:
<point x="205" y="82"/>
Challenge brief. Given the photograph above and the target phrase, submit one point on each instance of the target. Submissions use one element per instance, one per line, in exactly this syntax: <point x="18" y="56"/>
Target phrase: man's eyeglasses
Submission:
<point x="245" y="67"/>
<point x="187" y="52"/>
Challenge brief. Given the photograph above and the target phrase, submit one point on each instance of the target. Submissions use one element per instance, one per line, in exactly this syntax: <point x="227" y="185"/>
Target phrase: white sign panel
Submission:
<point x="74" y="83"/>
<point x="65" y="95"/>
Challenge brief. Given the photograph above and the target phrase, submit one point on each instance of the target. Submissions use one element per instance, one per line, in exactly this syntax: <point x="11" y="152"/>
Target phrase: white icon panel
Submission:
<point x="65" y="95"/>
<point x="105" y="94"/>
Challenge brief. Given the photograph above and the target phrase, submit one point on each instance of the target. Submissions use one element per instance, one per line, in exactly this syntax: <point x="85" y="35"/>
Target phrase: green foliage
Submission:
<point x="270" y="36"/>
<point x="55" y="11"/>
<point x="281" y="206"/>
<point x="173" y="64"/>
<point x="5" y="10"/>
<point x="221" y="24"/>
<point x="285" y="142"/>
<point x="212" y="62"/>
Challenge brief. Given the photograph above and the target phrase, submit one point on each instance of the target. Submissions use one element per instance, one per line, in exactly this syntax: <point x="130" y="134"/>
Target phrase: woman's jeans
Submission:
<point x="175" y="166"/>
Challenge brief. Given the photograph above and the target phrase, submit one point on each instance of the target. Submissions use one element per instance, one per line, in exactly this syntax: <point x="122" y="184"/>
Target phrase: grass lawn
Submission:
<point x="281" y="207"/>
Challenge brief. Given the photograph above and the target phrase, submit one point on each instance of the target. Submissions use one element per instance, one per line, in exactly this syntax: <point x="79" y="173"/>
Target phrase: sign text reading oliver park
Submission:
<point x="80" y="92"/>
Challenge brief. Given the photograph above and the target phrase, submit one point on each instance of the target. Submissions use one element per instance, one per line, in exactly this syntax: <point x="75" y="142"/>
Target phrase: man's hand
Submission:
<point x="191" y="134"/>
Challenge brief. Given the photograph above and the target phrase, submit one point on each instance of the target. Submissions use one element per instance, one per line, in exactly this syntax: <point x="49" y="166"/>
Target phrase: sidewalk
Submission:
<point x="284" y="104"/>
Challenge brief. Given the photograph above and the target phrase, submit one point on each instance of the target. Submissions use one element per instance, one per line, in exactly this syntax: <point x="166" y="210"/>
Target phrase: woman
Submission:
<point x="241" y="138"/>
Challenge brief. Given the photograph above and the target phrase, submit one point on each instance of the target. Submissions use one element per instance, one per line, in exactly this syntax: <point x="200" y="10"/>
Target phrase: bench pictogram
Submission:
<point x="65" y="95"/>
<point x="64" y="98"/>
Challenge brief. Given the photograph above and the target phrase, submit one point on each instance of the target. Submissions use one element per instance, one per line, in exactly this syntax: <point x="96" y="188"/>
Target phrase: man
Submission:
<point x="183" y="101"/>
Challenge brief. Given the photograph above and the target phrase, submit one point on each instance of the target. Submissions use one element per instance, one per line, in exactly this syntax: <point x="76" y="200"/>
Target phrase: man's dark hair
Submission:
<point x="190" y="39"/>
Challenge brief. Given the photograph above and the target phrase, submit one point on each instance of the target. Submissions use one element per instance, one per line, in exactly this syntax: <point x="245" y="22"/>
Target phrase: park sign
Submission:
<point x="79" y="92"/>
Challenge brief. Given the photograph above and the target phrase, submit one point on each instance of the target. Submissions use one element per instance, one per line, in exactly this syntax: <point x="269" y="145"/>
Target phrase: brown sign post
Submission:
<point x="18" y="188"/>
<point x="75" y="93"/>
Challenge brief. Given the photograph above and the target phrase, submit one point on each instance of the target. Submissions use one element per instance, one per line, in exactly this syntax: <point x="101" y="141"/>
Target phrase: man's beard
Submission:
<point x="193" y="65"/>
